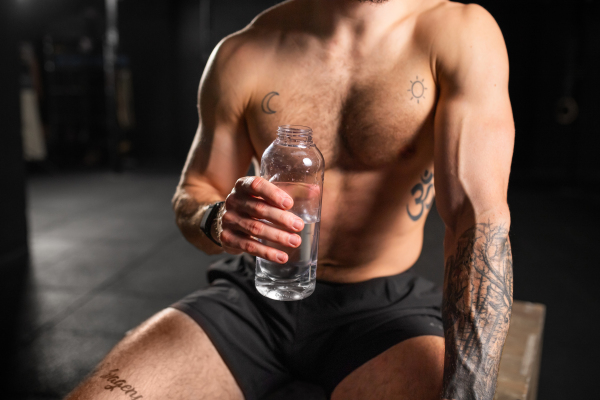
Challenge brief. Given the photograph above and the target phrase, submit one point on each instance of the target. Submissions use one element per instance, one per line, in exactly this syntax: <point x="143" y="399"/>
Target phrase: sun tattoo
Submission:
<point x="417" y="89"/>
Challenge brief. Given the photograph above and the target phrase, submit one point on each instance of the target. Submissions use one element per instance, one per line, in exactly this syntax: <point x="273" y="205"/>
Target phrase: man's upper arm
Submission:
<point x="221" y="151"/>
<point x="474" y="128"/>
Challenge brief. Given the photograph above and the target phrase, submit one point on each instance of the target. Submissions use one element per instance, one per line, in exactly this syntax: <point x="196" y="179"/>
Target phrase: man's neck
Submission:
<point x="352" y="25"/>
<point x="357" y="18"/>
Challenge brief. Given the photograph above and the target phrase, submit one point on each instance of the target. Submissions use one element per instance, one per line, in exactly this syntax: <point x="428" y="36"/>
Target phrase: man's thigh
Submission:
<point x="410" y="370"/>
<point x="167" y="357"/>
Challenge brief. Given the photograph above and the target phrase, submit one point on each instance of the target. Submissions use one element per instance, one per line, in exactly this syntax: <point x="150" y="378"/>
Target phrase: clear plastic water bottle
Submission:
<point x="293" y="163"/>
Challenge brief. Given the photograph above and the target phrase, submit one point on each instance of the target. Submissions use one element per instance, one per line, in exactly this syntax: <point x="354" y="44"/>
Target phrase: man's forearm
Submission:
<point x="189" y="212"/>
<point x="476" y="310"/>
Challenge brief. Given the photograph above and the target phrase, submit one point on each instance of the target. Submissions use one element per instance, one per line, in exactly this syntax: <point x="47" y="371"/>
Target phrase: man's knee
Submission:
<point x="412" y="369"/>
<point x="167" y="323"/>
<point x="161" y="333"/>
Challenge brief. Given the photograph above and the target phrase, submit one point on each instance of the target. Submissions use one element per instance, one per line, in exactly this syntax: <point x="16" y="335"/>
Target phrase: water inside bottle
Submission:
<point x="295" y="279"/>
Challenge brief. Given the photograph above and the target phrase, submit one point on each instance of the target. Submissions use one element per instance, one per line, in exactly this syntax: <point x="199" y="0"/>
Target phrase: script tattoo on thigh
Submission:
<point x="115" y="383"/>
<point x="264" y="105"/>
<point x="477" y="305"/>
<point x="423" y="188"/>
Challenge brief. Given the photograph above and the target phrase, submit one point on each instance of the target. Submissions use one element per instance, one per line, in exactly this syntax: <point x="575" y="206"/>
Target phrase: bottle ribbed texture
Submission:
<point x="294" y="135"/>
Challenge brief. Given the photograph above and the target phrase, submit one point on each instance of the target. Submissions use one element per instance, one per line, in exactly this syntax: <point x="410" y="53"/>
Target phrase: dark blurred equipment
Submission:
<point x="159" y="52"/>
<point x="80" y="72"/>
<point x="34" y="143"/>
<point x="74" y="80"/>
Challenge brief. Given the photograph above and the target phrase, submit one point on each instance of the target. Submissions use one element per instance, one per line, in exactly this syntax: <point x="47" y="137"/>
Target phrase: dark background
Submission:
<point x="554" y="49"/>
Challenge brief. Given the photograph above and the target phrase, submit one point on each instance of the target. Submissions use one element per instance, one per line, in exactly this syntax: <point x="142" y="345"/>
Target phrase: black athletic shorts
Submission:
<point x="321" y="339"/>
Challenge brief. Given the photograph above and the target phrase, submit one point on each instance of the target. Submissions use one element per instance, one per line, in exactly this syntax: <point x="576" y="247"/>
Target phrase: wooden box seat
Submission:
<point x="520" y="363"/>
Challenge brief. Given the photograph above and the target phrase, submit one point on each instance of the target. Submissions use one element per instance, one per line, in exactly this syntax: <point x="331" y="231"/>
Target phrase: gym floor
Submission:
<point x="106" y="254"/>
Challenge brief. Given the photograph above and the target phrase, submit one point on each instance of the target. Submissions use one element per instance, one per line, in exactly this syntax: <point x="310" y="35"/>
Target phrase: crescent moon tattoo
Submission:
<point x="265" y="103"/>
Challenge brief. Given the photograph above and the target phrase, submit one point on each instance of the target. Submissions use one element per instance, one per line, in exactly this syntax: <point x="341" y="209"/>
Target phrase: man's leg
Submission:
<point x="411" y="370"/>
<point x="167" y="357"/>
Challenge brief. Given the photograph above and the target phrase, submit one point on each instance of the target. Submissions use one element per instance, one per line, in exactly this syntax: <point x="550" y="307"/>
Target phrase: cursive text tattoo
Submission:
<point x="264" y="105"/>
<point x="116" y="383"/>
<point x="423" y="188"/>
<point x="476" y="309"/>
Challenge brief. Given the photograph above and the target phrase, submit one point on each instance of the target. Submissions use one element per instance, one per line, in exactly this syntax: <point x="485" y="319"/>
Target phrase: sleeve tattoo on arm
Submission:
<point x="476" y="311"/>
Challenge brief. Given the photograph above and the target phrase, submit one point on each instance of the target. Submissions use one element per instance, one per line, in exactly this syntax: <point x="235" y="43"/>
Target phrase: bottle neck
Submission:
<point x="294" y="135"/>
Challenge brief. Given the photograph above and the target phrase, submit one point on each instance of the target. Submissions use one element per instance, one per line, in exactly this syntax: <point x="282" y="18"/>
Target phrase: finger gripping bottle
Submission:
<point x="293" y="163"/>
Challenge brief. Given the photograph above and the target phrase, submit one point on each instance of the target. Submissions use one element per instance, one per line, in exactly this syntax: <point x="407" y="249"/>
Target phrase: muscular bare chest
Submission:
<point x="364" y="116"/>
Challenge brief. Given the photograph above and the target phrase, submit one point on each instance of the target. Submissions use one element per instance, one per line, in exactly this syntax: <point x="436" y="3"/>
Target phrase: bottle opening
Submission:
<point x="294" y="129"/>
<point x="295" y="133"/>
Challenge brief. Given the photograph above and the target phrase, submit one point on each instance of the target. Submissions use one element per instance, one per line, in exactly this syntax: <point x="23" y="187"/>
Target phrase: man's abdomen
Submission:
<point x="368" y="227"/>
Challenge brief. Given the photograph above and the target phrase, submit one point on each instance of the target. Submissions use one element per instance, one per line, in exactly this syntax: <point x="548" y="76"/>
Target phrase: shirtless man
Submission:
<point x="394" y="91"/>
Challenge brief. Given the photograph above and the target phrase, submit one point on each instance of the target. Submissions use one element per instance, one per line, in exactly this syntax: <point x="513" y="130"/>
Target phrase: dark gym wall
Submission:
<point x="13" y="232"/>
<point x="35" y="16"/>
<point x="13" y="226"/>
<point x="163" y="42"/>
<point x="147" y="36"/>
<point x="190" y="65"/>
<point x="554" y="57"/>
<point x="226" y="17"/>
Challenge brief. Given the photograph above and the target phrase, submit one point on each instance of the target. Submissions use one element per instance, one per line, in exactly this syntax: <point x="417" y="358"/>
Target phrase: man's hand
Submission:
<point x="256" y="209"/>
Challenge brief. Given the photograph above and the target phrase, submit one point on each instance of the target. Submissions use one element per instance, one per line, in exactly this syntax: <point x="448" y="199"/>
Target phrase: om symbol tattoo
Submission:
<point x="423" y="188"/>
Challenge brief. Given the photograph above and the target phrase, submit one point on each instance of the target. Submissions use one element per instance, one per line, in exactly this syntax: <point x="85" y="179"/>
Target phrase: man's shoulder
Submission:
<point x="451" y="18"/>
<point x="454" y="30"/>
<point x="450" y="13"/>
